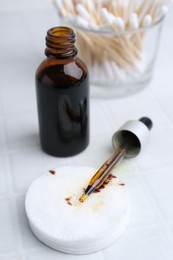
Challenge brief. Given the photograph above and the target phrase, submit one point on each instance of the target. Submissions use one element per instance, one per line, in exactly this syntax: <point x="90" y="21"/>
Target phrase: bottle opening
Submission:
<point x="60" y="32"/>
<point x="60" y="43"/>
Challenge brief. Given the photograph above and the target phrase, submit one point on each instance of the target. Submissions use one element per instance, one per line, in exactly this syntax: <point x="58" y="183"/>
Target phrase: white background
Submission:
<point x="149" y="177"/>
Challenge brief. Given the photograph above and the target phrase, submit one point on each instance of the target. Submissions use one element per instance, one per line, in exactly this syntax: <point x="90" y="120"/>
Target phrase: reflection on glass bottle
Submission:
<point x="71" y="122"/>
<point x="83" y="116"/>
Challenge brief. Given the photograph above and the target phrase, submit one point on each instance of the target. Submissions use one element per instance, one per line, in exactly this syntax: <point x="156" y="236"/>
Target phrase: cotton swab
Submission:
<point x="61" y="8"/>
<point x="133" y="21"/>
<point x="68" y="4"/>
<point x="112" y="20"/>
<point x="147" y="21"/>
<point x="81" y="22"/>
<point x="105" y="15"/>
<point x="83" y="12"/>
<point x="161" y="13"/>
<point x="119" y="23"/>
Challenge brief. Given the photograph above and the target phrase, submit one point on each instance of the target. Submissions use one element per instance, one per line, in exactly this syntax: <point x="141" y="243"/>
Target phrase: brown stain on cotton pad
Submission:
<point x="73" y="199"/>
<point x="98" y="205"/>
<point x="52" y="172"/>
<point x="68" y="200"/>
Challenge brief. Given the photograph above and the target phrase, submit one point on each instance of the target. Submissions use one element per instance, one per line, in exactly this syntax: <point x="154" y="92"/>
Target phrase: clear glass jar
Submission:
<point x="119" y="63"/>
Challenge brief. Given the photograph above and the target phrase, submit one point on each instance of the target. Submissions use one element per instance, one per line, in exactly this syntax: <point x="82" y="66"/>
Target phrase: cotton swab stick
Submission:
<point x="93" y="10"/>
<point x="125" y="5"/>
<point x="68" y="4"/>
<point x="143" y="9"/>
<point x="60" y="6"/>
<point x="134" y="25"/>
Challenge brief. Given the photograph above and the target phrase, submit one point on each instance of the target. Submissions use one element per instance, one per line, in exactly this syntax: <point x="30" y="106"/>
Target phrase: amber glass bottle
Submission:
<point x="62" y="87"/>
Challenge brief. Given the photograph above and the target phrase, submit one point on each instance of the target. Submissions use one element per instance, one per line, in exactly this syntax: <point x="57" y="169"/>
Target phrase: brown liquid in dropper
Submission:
<point x="106" y="182"/>
<point x="103" y="173"/>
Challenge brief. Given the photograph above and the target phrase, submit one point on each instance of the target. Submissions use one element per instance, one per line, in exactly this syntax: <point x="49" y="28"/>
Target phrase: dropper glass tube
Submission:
<point x="100" y="176"/>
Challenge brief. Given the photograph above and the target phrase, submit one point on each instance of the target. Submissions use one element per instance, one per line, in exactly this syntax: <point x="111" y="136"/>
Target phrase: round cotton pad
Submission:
<point x="59" y="220"/>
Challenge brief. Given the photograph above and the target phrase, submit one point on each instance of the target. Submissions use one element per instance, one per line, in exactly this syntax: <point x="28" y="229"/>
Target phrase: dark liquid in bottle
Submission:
<point x="63" y="109"/>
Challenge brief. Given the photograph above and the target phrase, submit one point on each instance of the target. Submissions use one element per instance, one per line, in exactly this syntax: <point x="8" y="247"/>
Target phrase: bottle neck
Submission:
<point x="60" y="43"/>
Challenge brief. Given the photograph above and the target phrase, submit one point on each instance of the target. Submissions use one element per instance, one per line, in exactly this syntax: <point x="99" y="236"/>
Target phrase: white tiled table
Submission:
<point x="149" y="177"/>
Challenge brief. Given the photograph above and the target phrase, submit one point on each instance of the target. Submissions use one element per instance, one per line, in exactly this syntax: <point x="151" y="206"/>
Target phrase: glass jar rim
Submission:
<point x="119" y="33"/>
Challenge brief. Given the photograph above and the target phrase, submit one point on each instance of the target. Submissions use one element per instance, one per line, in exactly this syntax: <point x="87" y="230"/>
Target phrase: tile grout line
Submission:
<point x="27" y="148"/>
<point x="155" y="200"/>
<point x="11" y="195"/>
<point x="154" y="170"/>
<point x="108" y="116"/>
<point x="144" y="171"/>
<point x="164" y="111"/>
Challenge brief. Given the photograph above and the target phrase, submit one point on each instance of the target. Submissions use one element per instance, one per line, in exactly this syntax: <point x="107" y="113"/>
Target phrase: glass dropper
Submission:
<point x="132" y="136"/>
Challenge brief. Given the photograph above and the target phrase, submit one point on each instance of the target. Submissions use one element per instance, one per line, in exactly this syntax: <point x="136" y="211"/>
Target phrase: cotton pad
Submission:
<point x="59" y="220"/>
